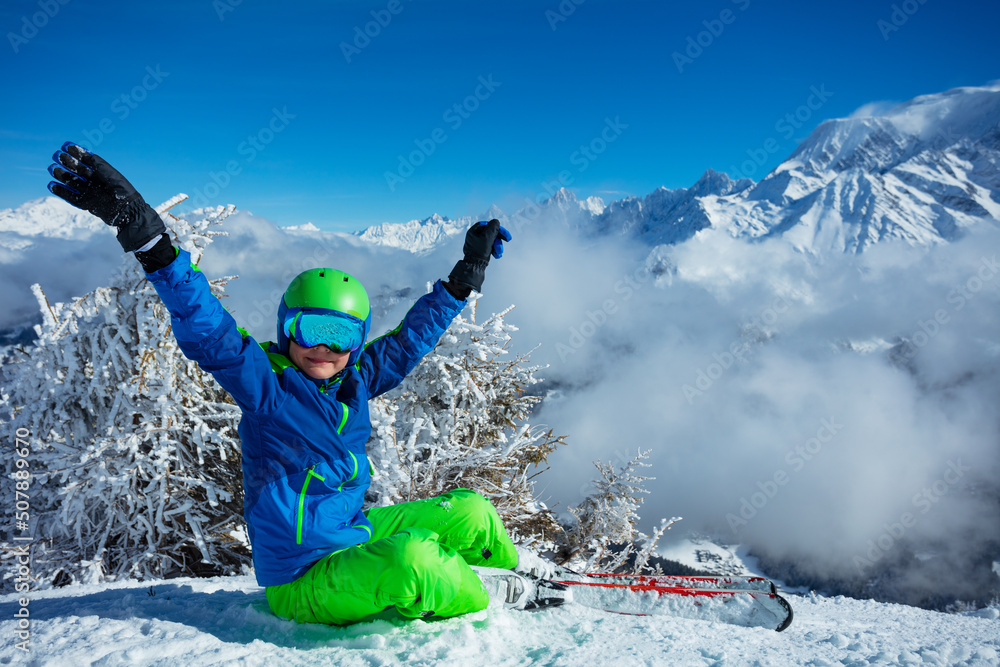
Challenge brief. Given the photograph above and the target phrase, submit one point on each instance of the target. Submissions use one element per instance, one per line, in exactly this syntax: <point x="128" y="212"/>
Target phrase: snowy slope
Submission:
<point x="226" y="621"/>
<point x="923" y="172"/>
<point x="668" y="216"/>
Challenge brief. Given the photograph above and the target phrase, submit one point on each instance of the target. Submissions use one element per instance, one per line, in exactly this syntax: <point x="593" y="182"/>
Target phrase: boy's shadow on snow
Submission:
<point x="231" y="616"/>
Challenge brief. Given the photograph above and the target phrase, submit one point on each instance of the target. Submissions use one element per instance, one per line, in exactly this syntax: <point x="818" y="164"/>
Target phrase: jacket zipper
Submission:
<point x="302" y="502"/>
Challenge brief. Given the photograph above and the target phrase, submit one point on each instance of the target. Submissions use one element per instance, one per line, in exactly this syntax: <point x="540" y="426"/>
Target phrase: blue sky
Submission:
<point x="257" y="103"/>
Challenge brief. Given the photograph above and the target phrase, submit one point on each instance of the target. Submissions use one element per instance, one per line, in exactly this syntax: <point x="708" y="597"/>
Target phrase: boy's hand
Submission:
<point x="484" y="239"/>
<point x="88" y="182"/>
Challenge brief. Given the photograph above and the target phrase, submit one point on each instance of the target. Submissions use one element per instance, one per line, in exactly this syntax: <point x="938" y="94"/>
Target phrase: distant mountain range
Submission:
<point x="922" y="172"/>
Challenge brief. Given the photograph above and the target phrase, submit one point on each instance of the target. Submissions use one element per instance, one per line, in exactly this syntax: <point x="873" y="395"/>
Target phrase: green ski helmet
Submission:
<point x="325" y="306"/>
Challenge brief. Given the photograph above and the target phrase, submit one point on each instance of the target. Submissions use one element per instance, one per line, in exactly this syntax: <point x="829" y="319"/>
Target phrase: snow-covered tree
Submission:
<point x="134" y="454"/>
<point x="460" y="419"/>
<point x="609" y="516"/>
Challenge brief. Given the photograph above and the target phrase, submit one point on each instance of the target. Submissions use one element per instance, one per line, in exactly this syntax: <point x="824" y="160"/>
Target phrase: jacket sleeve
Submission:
<point x="207" y="334"/>
<point x="388" y="359"/>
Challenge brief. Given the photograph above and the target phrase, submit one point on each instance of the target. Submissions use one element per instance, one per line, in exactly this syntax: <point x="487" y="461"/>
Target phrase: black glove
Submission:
<point x="482" y="240"/>
<point x="88" y="182"/>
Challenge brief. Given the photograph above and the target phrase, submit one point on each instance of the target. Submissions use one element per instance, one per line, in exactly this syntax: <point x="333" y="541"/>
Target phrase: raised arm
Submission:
<point x="205" y="332"/>
<point x="389" y="358"/>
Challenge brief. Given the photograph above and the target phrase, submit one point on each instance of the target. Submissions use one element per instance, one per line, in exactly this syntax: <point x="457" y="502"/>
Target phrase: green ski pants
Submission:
<point x="417" y="560"/>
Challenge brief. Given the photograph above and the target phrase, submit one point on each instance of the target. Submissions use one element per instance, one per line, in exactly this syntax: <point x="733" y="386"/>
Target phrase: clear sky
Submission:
<point x="292" y="112"/>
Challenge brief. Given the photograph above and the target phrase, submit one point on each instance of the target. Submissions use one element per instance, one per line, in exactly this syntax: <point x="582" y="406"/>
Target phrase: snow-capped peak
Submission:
<point x="49" y="217"/>
<point x="717" y="183"/>
<point x="921" y="172"/>
<point x="307" y="227"/>
<point x="594" y="205"/>
<point x="494" y="212"/>
<point x="878" y="142"/>
<point x="416" y="235"/>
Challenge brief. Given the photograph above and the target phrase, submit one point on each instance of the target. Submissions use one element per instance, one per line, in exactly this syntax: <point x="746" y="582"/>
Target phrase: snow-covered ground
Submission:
<point x="226" y="621"/>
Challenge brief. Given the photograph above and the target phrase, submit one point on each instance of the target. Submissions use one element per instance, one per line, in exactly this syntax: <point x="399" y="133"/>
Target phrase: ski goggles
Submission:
<point x="310" y="327"/>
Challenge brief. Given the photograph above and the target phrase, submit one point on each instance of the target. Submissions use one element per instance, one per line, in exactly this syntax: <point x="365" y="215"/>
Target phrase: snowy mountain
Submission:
<point x="668" y="216"/>
<point x="48" y="217"/>
<point x="922" y="172"/>
<point x="415" y="235"/>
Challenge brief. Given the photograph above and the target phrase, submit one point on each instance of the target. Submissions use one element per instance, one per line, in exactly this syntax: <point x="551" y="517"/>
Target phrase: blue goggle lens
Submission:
<point x="338" y="331"/>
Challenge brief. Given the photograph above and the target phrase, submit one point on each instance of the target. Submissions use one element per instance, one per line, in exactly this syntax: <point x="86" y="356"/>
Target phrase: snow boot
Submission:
<point x="505" y="588"/>
<point x="510" y="590"/>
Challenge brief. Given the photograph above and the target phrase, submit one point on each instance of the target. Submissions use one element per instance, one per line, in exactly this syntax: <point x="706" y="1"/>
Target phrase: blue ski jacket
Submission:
<point x="305" y="470"/>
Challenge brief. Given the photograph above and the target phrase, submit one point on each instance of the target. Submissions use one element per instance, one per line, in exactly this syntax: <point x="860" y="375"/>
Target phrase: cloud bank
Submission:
<point x="837" y="411"/>
<point x="823" y="410"/>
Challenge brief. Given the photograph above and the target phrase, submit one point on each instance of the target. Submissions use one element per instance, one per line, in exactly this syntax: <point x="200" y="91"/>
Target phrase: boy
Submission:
<point x="305" y="423"/>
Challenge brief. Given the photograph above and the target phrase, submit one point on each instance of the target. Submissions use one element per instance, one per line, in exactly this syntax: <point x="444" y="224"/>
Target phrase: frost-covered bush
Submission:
<point x="460" y="419"/>
<point x="605" y="536"/>
<point x="134" y="454"/>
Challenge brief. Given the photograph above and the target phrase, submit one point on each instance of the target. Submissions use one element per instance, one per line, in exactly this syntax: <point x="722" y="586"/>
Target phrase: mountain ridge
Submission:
<point x="922" y="172"/>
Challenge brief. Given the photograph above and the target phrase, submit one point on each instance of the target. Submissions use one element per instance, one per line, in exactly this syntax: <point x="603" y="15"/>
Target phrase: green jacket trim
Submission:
<point x="355" y="474"/>
<point x="343" y="420"/>
<point x="302" y="502"/>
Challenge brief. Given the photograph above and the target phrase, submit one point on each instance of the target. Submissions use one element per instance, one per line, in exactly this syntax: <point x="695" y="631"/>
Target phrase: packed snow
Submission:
<point x="226" y="621"/>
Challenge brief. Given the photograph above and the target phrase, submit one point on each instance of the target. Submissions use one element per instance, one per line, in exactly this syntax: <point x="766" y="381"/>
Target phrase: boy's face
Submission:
<point x="320" y="362"/>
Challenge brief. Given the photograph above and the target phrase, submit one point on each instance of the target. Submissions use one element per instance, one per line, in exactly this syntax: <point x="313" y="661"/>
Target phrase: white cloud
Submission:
<point x="872" y="109"/>
<point x="899" y="427"/>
